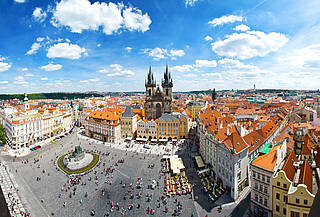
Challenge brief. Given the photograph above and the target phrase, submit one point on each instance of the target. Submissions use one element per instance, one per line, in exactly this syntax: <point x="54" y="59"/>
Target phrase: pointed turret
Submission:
<point x="150" y="82"/>
<point x="167" y="80"/>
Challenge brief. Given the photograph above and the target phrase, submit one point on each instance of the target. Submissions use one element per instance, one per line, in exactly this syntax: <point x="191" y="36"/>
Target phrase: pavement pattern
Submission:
<point x="45" y="190"/>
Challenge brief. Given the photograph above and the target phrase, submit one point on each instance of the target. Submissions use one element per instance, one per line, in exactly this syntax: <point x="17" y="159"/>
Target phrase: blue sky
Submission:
<point x="81" y="45"/>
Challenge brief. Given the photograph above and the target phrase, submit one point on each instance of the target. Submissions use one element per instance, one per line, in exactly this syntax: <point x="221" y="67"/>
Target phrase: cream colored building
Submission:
<point x="128" y="122"/>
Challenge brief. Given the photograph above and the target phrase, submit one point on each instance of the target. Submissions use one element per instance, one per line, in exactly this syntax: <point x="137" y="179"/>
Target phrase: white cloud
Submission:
<point x="20" y="1"/>
<point x="225" y="19"/>
<point x="161" y="53"/>
<point x="134" y="20"/>
<point x="92" y="80"/>
<point x="4" y="66"/>
<point x="206" y="63"/>
<point x="249" y="44"/>
<point x="99" y="45"/>
<point x="44" y="79"/>
<point x="40" y="39"/>
<point x="39" y="15"/>
<point x="127" y="73"/>
<point x="214" y="74"/>
<point x="110" y="17"/>
<point x="236" y="64"/>
<point x="51" y="67"/>
<point x="103" y="70"/>
<point x="116" y="67"/>
<point x="34" y="48"/>
<point x="128" y="49"/>
<point x="66" y="50"/>
<point x="20" y="80"/>
<point x="307" y="57"/>
<point x="182" y="68"/>
<point x="242" y="28"/>
<point x="4" y="82"/>
<point x="190" y="3"/>
<point x="208" y="38"/>
<point x="24" y="69"/>
<point x="28" y="75"/>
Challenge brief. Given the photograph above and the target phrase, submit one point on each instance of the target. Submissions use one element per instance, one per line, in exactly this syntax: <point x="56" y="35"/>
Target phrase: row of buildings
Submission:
<point x="30" y="122"/>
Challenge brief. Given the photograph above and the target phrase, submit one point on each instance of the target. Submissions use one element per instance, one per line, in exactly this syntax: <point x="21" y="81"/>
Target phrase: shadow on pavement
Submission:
<point x="4" y="212"/>
<point x="242" y="207"/>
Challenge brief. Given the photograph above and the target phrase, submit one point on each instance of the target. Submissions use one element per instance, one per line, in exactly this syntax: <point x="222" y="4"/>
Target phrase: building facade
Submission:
<point x="128" y="122"/>
<point x="104" y="126"/>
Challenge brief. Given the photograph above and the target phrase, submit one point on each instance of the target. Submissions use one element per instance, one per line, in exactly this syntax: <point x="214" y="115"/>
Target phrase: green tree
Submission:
<point x="2" y="134"/>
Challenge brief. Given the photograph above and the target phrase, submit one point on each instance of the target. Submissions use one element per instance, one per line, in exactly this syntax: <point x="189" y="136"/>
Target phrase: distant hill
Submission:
<point x="59" y="95"/>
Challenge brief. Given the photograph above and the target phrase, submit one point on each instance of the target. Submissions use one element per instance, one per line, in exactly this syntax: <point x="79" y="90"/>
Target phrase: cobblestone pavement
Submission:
<point x="42" y="197"/>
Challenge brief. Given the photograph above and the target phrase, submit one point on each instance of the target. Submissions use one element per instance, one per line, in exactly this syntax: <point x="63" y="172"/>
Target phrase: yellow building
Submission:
<point x="128" y="122"/>
<point x="293" y="188"/>
<point x="195" y="108"/>
<point x="173" y="127"/>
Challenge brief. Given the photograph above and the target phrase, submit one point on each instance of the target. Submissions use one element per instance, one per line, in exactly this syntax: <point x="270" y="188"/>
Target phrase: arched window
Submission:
<point x="149" y="92"/>
<point x="167" y="92"/>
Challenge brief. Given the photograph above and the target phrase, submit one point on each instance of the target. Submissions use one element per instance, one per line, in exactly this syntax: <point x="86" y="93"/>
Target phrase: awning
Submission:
<point x="163" y="140"/>
<point x="203" y="171"/>
<point x="174" y="140"/>
<point x="128" y="138"/>
<point x="153" y="140"/>
<point x="199" y="161"/>
<point x="141" y="139"/>
<point x="176" y="165"/>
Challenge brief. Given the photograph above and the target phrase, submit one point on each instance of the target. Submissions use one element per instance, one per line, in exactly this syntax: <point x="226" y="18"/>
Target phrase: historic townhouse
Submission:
<point x="262" y="170"/>
<point x="147" y="130"/>
<point x="104" y="126"/>
<point x="128" y="122"/>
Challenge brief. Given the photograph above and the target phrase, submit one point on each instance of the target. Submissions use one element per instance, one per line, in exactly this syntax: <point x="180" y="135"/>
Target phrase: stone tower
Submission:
<point x="298" y="138"/>
<point x="158" y="101"/>
<point x="167" y="85"/>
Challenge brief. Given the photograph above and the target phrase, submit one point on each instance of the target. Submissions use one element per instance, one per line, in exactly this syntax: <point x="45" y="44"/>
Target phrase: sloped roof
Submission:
<point x="128" y="112"/>
<point x="235" y="142"/>
<point x="305" y="176"/>
<point x="266" y="161"/>
<point x="288" y="167"/>
<point x="253" y="139"/>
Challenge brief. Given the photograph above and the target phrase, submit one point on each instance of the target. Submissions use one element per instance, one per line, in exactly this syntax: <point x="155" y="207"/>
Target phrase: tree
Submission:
<point x="2" y="135"/>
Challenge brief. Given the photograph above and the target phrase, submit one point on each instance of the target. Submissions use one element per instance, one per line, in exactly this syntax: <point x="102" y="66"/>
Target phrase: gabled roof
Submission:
<point x="305" y="176"/>
<point x="128" y="112"/>
<point x="254" y="140"/>
<point x="235" y="143"/>
<point x="288" y="166"/>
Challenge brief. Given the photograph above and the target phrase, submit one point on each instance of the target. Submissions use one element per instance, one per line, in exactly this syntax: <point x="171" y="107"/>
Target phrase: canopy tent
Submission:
<point x="203" y="171"/>
<point x="128" y="138"/>
<point x="174" y="140"/>
<point x="199" y="162"/>
<point x="153" y="140"/>
<point x="141" y="139"/>
<point x="163" y="140"/>
<point x="176" y="165"/>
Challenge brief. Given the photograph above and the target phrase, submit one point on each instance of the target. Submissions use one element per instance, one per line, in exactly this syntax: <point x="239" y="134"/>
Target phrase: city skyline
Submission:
<point x="108" y="46"/>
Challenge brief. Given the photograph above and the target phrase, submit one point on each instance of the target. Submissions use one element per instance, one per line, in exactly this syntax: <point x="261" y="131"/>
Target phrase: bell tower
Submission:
<point x="167" y="85"/>
<point x="150" y="85"/>
<point x="298" y="138"/>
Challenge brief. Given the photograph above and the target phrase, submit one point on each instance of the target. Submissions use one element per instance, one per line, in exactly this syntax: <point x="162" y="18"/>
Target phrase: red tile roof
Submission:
<point x="288" y="167"/>
<point x="305" y="176"/>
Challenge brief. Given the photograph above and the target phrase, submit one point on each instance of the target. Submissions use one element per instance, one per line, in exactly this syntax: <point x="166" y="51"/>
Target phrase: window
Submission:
<point x="305" y="215"/>
<point x="256" y="186"/>
<point x="277" y="208"/>
<point x="256" y="197"/>
<point x="260" y="188"/>
<point x="294" y="214"/>
<point x="285" y="185"/>
<point x="254" y="174"/>
<point x="284" y="211"/>
<point x="260" y="199"/>
<point x="263" y="178"/>
<point x="265" y="189"/>
<point x="297" y="200"/>
<point x="258" y="175"/>
<point x="305" y="202"/>
<point x="265" y="202"/>
<point x="285" y="198"/>
<point x="277" y="196"/>
<point x="239" y="175"/>
<point x="278" y="183"/>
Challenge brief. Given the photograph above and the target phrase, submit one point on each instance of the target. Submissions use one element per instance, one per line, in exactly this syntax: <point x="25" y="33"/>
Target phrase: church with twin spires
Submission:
<point x="158" y="101"/>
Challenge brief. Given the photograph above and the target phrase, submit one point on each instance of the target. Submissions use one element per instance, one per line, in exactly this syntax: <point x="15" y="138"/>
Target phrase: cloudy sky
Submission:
<point x="81" y="45"/>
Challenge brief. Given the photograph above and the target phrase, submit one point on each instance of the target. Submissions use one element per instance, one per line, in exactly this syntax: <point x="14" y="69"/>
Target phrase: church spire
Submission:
<point x="150" y="79"/>
<point x="167" y="80"/>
